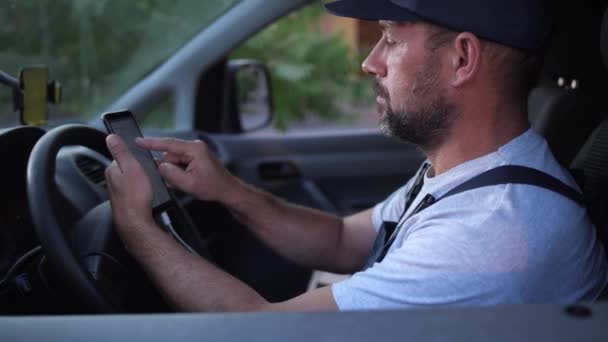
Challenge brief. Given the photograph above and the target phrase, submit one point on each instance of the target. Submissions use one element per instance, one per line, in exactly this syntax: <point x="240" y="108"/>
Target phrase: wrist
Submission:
<point x="234" y="192"/>
<point x="134" y="224"/>
<point x="136" y="228"/>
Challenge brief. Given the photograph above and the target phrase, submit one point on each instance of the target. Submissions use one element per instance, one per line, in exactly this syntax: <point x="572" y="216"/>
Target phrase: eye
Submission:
<point x="389" y="41"/>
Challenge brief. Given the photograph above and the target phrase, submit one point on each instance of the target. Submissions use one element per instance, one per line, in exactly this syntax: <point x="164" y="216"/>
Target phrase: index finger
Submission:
<point x="171" y="145"/>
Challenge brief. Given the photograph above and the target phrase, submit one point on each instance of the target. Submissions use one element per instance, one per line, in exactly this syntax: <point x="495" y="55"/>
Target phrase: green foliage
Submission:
<point x="312" y="73"/>
<point x="96" y="48"/>
<point x="99" y="48"/>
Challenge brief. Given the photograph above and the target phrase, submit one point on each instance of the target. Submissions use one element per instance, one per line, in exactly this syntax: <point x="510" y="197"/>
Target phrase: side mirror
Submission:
<point x="249" y="97"/>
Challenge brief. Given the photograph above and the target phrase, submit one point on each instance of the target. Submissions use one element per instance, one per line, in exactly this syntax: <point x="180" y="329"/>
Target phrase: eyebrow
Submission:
<point x="386" y="24"/>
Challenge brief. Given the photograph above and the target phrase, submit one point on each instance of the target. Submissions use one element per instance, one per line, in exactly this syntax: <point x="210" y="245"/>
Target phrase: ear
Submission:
<point x="466" y="58"/>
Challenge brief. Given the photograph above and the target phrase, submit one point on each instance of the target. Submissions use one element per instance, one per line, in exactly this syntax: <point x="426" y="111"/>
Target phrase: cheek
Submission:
<point x="399" y="67"/>
<point x="403" y="68"/>
<point x="399" y="86"/>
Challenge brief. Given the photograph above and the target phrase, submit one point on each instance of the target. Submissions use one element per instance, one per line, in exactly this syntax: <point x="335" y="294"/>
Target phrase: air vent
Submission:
<point x="92" y="169"/>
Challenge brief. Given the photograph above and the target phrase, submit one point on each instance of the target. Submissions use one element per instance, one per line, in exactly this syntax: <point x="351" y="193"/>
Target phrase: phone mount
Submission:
<point x="54" y="93"/>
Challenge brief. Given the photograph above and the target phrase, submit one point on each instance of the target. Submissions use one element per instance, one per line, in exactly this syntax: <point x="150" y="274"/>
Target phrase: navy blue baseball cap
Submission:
<point x="522" y="24"/>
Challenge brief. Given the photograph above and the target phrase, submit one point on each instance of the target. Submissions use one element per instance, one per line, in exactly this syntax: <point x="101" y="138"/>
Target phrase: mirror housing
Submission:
<point x="249" y="104"/>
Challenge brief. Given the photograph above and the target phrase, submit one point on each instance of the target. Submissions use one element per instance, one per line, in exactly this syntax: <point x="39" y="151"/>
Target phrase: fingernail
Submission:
<point x="138" y="139"/>
<point x="112" y="140"/>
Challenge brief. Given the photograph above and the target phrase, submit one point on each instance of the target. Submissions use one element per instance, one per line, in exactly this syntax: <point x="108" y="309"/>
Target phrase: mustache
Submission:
<point x="380" y="90"/>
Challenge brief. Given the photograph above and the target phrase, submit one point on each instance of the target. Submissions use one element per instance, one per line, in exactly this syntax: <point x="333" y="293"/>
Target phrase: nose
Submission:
<point x="374" y="64"/>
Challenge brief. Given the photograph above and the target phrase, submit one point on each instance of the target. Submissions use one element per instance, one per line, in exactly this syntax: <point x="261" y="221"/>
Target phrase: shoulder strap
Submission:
<point x="514" y="174"/>
<point x="509" y="174"/>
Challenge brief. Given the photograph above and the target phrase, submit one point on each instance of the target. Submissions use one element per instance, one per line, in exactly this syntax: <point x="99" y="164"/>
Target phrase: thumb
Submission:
<point x="176" y="177"/>
<point x="120" y="151"/>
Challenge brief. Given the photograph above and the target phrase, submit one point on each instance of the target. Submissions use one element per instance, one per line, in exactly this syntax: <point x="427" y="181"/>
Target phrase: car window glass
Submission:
<point x="162" y="117"/>
<point x="315" y="64"/>
<point x="97" y="49"/>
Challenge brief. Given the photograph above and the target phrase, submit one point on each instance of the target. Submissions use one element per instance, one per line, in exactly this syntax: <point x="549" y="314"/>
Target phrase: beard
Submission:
<point x="426" y="117"/>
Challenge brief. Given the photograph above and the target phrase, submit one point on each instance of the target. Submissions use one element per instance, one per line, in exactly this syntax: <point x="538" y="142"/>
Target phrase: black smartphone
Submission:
<point x="124" y="125"/>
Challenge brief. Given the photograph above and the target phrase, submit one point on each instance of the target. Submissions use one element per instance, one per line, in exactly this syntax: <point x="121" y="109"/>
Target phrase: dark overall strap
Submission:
<point x="514" y="174"/>
<point x="410" y="196"/>
<point x="509" y="174"/>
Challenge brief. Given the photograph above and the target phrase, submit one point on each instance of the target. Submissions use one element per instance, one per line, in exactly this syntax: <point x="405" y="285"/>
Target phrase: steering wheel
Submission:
<point x="87" y="256"/>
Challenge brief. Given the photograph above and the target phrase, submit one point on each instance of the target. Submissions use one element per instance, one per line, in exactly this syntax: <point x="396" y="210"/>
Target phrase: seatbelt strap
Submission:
<point x="508" y="174"/>
<point x="410" y="196"/>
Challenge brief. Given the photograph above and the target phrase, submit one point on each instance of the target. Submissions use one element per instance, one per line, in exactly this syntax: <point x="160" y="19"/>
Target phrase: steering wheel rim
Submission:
<point x="53" y="238"/>
<point x="67" y="258"/>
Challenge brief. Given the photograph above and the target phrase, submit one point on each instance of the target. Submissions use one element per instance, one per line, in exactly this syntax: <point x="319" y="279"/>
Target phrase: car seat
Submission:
<point x="565" y="116"/>
<point x="592" y="163"/>
<point x="566" y="105"/>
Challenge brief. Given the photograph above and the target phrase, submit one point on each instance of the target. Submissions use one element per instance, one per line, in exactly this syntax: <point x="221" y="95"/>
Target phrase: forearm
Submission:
<point x="188" y="282"/>
<point x="305" y="236"/>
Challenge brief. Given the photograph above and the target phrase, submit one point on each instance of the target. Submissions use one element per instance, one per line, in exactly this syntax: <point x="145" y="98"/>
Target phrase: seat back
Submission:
<point x="592" y="163"/>
<point x="565" y="117"/>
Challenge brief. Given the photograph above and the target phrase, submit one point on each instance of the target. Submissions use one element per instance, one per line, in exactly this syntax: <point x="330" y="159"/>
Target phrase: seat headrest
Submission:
<point x="604" y="39"/>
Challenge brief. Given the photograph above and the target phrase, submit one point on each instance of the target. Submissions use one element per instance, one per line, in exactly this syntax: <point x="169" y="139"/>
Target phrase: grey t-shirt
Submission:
<point x="500" y="244"/>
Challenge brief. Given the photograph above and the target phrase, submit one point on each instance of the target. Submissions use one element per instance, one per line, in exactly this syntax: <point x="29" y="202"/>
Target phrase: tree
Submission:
<point x="312" y="73"/>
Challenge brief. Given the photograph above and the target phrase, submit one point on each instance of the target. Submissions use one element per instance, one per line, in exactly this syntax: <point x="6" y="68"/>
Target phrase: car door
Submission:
<point x="338" y="172"/>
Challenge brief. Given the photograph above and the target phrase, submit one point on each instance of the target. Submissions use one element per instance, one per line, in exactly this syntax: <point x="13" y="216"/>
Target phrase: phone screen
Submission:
<point x="124" y="125"/>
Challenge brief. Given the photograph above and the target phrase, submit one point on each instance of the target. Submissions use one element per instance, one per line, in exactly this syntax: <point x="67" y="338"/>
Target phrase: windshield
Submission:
<point x="97" y="49"/>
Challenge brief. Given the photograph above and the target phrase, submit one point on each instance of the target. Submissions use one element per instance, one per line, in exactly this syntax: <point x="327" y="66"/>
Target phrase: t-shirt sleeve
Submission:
<point x="431" y="269"/>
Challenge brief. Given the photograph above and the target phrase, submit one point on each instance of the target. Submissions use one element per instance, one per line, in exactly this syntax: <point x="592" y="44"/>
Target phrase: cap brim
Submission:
<point x="373" y="10"/>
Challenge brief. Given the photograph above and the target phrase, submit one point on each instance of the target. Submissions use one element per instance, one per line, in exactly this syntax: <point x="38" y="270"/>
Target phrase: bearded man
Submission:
<point x="479" y="225"/>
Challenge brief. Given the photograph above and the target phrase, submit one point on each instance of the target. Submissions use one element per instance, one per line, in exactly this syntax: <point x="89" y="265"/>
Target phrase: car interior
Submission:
<point x="60" y="256"/>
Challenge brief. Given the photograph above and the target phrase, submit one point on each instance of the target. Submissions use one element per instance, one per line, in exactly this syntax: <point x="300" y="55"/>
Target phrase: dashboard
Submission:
<point x="16" y="230"/>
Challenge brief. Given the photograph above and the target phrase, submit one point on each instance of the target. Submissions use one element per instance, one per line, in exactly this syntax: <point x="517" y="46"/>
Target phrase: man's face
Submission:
<point x="410" y="94"/>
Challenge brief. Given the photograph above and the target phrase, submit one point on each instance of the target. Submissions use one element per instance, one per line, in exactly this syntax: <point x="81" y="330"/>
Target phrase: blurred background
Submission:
<point x="99" y="48"/>
<point x="315" y="60"/>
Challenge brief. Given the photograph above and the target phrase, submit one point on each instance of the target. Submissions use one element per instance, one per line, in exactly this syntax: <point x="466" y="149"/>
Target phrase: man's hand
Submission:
<point x="130" y="189"/>
<point x="191" y="167"/>
<point x="187" y="281"/>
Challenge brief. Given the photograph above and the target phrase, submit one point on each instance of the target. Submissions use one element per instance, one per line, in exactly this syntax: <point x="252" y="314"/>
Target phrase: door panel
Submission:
<point x="342" y="173"/>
